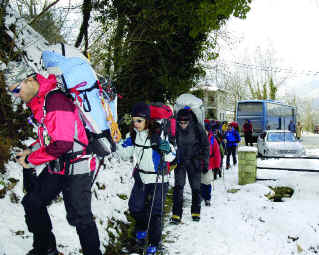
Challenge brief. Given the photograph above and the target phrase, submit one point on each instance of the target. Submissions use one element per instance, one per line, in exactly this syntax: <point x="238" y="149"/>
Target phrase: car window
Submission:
<point x="281" y="137"/>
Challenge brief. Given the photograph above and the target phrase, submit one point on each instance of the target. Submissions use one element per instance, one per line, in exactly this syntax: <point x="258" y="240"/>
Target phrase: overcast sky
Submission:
<point x="289" y="28"/>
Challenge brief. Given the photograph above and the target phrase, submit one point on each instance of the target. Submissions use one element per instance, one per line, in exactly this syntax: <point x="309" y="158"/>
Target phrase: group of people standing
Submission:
<point x="198" y="153"/>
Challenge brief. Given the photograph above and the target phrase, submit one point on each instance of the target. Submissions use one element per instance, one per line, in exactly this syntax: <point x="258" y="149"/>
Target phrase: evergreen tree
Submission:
<point x="272" y="89"/>
<point x="156" y="46"/>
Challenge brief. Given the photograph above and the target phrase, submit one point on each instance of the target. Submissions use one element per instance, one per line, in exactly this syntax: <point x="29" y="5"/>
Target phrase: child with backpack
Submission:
<point x="213" y="166"/>
<point x="150" y="153"/>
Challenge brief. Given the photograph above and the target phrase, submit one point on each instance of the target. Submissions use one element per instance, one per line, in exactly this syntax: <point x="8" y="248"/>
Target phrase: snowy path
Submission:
<point x="247" y="223"/>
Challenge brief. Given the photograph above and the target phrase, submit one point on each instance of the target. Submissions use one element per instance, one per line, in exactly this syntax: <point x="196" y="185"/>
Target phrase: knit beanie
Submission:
<point x="16" y="72"/>
<point x="142" y="110"/>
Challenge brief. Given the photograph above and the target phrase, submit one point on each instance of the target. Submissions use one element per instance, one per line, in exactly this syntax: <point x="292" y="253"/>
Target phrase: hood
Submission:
<point x="36" y="104"/>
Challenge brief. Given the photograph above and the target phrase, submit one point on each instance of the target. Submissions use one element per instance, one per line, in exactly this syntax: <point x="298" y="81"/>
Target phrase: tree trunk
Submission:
<point x="86" y="10"/>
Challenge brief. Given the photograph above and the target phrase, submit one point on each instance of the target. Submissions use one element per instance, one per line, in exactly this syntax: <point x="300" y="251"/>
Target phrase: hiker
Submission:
<point x="222" y="147"/>
<point x="232" y="138"/>
<point x="59" y="126"/>
<point x="192" y="158"/>
<point x="213" y="167"/>
<point x="292" y="126"/>
<point x="248" y="132"/>
<point x="144" y="144"/>
<point x="299" y="130"/>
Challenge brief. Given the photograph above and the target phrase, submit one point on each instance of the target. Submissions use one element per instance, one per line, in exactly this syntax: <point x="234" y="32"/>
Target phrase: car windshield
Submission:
<point x="281" y="137"/>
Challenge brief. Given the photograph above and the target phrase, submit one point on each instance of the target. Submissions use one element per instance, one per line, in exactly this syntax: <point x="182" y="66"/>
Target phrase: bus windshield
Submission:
<point x="250" y="108"/>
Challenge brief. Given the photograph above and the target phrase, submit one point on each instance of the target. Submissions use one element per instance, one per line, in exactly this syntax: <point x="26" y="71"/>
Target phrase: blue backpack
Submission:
<point x="97" y="109"/>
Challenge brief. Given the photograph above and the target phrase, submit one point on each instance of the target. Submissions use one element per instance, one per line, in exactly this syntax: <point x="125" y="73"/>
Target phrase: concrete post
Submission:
<point x="247" y="165"/>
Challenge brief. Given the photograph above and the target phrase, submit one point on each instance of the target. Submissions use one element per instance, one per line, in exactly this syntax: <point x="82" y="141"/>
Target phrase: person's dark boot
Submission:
<point x="175" y="219"/>
<point x="196" y="216"/>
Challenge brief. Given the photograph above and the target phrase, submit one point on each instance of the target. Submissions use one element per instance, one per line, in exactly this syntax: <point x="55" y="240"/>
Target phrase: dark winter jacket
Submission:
<point x="292" y="127"/>
<point x="192" y="144"/>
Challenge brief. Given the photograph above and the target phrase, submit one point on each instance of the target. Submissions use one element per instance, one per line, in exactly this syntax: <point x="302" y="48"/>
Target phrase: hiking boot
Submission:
<point x="140" y="238"/>
<point x="175" y="219"/>
<point x="151" y="250"/>
<point x="207" y="202"/>
<point x="196" y="216"/>
<point x="51" y="251"/>
<point x="228" y="166"/>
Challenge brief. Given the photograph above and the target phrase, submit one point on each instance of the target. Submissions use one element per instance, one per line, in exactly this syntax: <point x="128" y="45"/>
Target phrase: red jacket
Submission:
<point x="56" y="130"/>
<point x="248" y="128"/>
<point x="214" y="153"/>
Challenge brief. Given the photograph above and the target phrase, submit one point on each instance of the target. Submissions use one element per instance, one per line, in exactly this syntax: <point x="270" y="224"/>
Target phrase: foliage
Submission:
<point x="268" y="90"/>
<point x="155" y="46"/>
<point x="198" y="93"/>
<point x="14" y="127"/>
<point x="272" y="89"/>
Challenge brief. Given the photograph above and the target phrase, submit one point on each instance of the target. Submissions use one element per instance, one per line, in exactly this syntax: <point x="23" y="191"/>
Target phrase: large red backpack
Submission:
<point x="159" y="111"/>
<point x="164" y="113"/>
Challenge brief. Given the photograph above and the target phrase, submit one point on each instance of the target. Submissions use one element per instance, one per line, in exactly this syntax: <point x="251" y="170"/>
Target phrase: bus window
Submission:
<point x="250" y="108"/>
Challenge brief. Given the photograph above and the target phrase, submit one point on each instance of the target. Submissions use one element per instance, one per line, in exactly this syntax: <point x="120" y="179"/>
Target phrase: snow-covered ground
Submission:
<point x="240" y="223"/>
<point x="247" y="223"/>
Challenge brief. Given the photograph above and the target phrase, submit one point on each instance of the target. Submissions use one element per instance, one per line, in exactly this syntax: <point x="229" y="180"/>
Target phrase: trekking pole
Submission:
<point x="102" y="163"/>
<point x="162" y="205"/>
<point x="150" y="215"/>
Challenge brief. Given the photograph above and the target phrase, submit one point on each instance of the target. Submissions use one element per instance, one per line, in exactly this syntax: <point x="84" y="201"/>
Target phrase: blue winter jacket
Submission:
<point x="232" y="137"/>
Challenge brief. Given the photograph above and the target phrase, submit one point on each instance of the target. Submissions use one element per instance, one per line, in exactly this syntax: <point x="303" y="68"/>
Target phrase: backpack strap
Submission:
<point x="50" y="93"/>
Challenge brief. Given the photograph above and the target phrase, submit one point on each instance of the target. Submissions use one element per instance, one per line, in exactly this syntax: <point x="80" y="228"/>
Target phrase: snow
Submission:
<point x="247" y="149"/>
<point x="244" y="222"/>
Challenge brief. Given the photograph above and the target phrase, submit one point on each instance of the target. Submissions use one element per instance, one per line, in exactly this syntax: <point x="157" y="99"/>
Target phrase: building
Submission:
<point x="215" y="102"/>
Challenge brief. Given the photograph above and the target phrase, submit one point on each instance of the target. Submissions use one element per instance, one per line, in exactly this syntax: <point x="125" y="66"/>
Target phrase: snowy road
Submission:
<point x="247" y="223"/>
<point x="310" y="142"/>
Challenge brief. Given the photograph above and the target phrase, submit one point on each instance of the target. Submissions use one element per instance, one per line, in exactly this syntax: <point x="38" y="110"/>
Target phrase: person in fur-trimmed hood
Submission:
<point x="192" y="159"/>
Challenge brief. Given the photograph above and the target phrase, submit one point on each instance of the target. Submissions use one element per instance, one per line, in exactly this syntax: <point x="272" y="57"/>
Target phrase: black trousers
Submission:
<point x="248" y="139"/>
<point x="192" y="168"/>
<point x="76" y="190"/>
<point x="232" y="150"/>
<point x="140" y="203"/>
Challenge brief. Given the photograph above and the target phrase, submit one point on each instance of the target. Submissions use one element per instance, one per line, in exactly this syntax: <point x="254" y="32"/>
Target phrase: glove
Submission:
<point x="164" y="147"/>
<point x="204" y="170"/>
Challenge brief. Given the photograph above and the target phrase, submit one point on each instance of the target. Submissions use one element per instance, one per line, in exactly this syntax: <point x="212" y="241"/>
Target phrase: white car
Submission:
<point x="279" y="143"/>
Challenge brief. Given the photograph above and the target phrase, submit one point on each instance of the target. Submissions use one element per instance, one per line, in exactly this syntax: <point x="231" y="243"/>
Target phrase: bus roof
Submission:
<point x="265" y="101"/>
